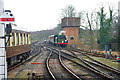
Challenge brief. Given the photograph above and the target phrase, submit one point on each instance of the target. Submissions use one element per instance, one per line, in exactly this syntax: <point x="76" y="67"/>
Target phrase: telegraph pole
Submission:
<point x="3" y="63"/>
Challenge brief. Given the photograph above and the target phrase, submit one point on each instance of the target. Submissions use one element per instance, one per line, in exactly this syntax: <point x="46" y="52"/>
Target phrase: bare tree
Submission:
<point x="69" y="11"/>
<point x="90" y="24"/>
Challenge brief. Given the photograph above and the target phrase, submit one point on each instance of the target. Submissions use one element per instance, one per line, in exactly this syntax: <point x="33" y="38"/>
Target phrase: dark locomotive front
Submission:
<point x="58" y="40"/>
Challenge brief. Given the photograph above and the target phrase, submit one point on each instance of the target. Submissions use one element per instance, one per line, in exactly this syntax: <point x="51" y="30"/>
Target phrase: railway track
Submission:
<point x="57" y="69"/>
<point x="104" y="69"/>
<point x="81" y="52"/>
<point x="85" y="53"/>
<point x="97" y="54"/>
<point x="34" y="52"/>
<point x="41" y="72"/>
<point x="98" y="75"/>
<point x="15" y="71"/>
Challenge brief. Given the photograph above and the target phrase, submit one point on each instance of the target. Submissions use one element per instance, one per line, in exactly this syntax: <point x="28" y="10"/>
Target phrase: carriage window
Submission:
<point x="8" y="43"/>
<point x="17" y="39"/>
<point x="13" y="39"/>
<point x="24" y="39"/>
<point x="27" y="38"/>
<point x="21" y="38"/>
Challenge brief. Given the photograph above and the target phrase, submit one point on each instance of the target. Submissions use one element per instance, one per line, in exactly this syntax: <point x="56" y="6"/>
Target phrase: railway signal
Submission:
<point x="6" y="17"/>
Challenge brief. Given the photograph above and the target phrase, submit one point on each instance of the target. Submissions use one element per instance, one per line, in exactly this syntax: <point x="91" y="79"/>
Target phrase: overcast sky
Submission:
<point x="36" y="15"/>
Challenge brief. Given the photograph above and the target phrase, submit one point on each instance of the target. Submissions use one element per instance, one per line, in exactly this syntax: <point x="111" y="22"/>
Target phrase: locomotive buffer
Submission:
<point x="5" y="18"/>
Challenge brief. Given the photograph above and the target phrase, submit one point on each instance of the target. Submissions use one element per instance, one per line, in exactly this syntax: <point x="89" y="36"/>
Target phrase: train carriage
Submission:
<point x="18" y="47"/>
<point x="51" y="39"/>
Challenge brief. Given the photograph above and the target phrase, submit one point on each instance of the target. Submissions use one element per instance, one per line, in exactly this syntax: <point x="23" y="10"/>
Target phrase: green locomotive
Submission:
<point x="58" y="40"/>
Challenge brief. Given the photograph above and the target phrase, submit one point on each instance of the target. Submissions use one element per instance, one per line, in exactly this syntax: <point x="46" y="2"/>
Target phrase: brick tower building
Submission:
<point x="71" y="27"/>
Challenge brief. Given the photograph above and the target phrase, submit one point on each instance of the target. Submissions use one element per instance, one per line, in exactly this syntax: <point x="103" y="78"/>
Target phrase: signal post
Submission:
<point x="3" y="63"/>
<point x="5" y="18"/>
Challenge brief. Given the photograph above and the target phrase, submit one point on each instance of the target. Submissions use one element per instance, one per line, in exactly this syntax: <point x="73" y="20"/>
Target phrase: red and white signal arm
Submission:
<point x="7" y="18"/>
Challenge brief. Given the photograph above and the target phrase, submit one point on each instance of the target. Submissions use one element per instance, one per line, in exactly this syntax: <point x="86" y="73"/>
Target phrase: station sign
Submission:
<point x="6" y="19"/>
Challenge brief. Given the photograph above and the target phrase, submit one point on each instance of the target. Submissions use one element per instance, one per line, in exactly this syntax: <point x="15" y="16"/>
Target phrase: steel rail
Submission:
<point x="11" y="68"/>
<point x="101" y="73"/>
<point x="67" y="69"/>
<point x="47" y="64"/>
<point x="108" y="67"/>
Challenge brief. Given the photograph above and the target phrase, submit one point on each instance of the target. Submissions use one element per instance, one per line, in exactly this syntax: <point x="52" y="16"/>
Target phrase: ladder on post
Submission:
<point x="3" y="63"/>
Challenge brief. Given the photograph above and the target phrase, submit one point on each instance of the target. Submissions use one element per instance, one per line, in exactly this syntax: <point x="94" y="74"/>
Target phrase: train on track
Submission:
<point x="18" y="47"/>
<point x="58" y="40"/>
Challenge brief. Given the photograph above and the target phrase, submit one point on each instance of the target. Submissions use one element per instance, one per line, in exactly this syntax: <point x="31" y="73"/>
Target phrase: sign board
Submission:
<point x="7" y="18"/>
